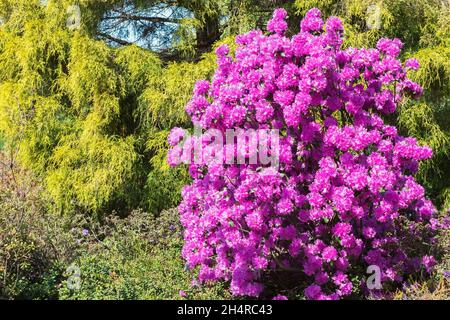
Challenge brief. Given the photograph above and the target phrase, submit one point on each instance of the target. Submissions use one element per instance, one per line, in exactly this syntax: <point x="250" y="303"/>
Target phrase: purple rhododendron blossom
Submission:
<point x="412" y="64"/>
<point x="344" y="195"/>
<point x="280" y="297"/>
<point x="182" y="294"/>
<point x="175" y="136"/>
<point x="278" y="24"/>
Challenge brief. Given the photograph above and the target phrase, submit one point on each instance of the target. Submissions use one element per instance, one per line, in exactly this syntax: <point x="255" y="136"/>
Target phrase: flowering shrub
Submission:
<point x="343" y="197"/>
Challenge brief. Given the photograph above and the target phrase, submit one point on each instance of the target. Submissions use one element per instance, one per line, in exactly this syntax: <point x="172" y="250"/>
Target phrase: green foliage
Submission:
<point x="136" y="258"/>
<point x="429" y="119"/>
<point x="245" y="15"/>
<point x="34" y="243"/>
<point x="434" y="74"/>
<point x="168" y="92"/>
<point x="436" y="287"/>
<point x="404" y="19"/>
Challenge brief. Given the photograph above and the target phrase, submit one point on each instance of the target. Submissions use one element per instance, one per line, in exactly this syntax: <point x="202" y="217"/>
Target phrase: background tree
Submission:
<point x="182" y="28"/>
<point x="71" y="108"/>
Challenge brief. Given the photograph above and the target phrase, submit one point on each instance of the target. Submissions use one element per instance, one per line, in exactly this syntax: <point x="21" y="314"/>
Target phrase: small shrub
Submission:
<point x="34" y="242"/>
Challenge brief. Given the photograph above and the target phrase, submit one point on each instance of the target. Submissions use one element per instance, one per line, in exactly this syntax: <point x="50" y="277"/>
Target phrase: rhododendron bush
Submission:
<point x="343" y="196"/>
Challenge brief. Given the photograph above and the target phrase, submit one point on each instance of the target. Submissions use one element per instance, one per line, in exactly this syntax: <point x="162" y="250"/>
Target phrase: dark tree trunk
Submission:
<point x="208" y="34"/>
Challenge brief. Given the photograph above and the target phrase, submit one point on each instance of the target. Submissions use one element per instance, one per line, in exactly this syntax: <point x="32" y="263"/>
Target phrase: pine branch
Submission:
<point x="114" y="39"/>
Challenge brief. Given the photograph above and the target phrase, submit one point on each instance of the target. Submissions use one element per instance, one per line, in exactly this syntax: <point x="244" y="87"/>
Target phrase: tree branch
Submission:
<point x="126" y="16"/>
<point x="114" y="39"/>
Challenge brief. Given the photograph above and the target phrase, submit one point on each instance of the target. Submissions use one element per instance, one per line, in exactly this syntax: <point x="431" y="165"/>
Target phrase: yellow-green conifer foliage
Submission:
<point x="90" y="120"/>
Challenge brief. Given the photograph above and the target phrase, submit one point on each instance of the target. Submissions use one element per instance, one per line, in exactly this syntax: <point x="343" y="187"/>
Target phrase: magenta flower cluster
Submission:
<point x="343" y="197"/>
